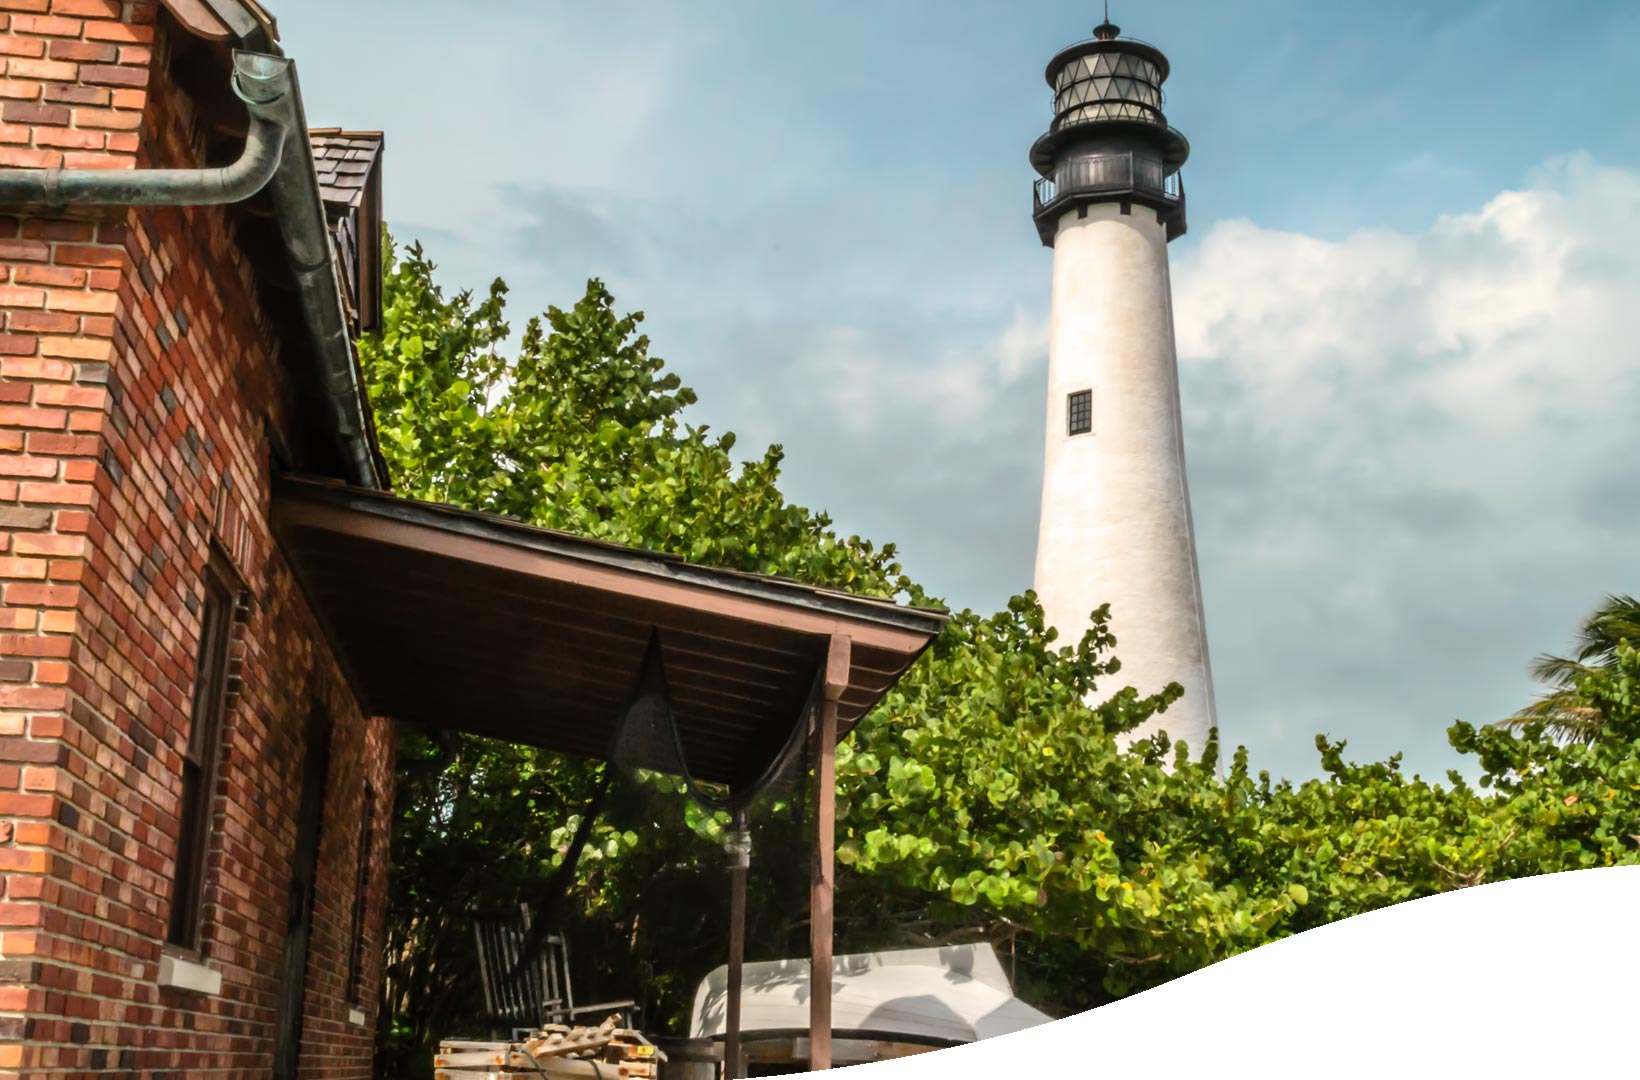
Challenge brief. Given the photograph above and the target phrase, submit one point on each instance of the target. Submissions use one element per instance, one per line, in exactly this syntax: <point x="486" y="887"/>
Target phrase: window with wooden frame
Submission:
<point x="200" y="756"/>
<point x="1079" y="412"/>
<point x="361" y="895"/>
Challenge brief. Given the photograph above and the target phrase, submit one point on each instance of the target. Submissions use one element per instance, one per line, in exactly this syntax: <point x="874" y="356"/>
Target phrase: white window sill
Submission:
<point x="355" y="1017"/>
<point x="182" y="974"/>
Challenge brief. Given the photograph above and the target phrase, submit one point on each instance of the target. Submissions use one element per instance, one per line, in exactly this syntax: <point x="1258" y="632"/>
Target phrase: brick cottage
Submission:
<point x="211" y="599"/>
<point x="190" y="795"/>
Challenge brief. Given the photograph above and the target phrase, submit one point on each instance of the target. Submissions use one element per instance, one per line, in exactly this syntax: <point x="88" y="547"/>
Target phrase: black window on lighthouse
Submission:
<point x="1079" y="412"/>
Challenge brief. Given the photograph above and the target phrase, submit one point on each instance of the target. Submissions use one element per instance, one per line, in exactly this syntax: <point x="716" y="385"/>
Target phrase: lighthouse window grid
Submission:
<point x="1079" y="412"/>
<point x="1108" y="86"/>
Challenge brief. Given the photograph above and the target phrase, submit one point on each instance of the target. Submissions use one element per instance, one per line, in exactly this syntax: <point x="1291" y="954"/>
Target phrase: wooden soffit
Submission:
<point x="478" y="623"/>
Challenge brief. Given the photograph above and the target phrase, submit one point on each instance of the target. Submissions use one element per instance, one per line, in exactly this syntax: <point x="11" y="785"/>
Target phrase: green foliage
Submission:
<point x="575" y="426"/>
<point x="1567" y="711"/>
<point x="578" y="428"/>
<point x="457" y="846"/>
<point x="983" y="799"/>
<point x="984" y="781"/>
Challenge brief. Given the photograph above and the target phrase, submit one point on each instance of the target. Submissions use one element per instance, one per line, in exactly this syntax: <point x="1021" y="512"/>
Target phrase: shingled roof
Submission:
<point x="343" y="160"/>
<point x="348" y="164"/>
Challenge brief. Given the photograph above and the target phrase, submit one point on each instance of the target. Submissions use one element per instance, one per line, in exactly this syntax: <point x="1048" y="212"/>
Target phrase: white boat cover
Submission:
<point x="954" y="994"/>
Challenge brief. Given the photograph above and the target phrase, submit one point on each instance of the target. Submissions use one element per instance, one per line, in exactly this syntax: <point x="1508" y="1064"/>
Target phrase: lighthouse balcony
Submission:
<point x="1119" y="177"/>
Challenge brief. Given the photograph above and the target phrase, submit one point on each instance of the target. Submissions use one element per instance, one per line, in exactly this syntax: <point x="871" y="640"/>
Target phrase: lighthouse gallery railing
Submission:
<point x="1109" y="172"/>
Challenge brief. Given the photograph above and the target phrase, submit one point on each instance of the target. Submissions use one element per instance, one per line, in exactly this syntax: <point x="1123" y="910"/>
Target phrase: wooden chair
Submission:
<point x="540" y="994"/>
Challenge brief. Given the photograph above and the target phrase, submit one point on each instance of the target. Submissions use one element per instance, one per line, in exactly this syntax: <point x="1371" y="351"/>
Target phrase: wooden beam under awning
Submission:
<point x="478" y="623"/>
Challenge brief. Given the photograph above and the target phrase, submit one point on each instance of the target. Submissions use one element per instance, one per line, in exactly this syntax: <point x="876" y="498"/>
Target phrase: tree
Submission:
<point x="579" y="428"/>
<point x="1569" y="805"/>
<point x="984" y="798"/>
<point x="1566" y="711"/>
<point x="575" y="427"/>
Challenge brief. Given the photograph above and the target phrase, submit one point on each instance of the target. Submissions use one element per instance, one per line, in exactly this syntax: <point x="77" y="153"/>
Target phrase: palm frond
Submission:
<point x="1617" y="619"/>
<point x="1557" y="671"/>
<point x="1563" y="709"/>
<point x="1565" y="715"/>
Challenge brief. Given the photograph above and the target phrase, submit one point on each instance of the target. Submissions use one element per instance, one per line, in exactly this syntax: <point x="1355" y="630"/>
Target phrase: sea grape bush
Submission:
<point x="984" y="781"/>
<point x="984" y="798"/>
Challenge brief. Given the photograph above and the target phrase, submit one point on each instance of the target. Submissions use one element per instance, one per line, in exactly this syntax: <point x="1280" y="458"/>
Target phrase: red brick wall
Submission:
<point x="137" y="372"/>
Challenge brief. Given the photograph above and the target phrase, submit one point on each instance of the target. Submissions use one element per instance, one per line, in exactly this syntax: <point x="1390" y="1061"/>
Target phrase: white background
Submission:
<point x="1531" y="978"/>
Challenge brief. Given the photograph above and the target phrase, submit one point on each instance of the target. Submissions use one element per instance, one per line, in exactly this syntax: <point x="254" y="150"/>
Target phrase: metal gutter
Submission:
<point x="294" y="190"/>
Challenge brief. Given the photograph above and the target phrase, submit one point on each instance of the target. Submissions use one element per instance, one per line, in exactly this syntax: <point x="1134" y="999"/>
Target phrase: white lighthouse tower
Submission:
<point x="1115" y="523"/>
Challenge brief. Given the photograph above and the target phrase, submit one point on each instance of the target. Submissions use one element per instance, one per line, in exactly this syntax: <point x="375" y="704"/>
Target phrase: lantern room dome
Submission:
<point x="1109" y="81"/>
<point x="1109" y="140"/>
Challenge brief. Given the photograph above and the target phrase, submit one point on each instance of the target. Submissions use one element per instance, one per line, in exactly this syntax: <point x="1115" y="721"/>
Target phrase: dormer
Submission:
<point x="350" y="183"/>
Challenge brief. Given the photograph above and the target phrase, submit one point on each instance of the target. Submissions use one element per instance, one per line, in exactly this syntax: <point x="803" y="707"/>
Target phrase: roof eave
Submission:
<point x="300" y="206"/>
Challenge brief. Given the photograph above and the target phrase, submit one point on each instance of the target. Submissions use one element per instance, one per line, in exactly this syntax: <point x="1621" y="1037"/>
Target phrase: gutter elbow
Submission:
<point x="263" y="82"/>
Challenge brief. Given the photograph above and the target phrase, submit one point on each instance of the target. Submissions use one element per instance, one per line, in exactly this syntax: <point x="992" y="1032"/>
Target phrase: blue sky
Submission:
<point x="1407" y="335"/>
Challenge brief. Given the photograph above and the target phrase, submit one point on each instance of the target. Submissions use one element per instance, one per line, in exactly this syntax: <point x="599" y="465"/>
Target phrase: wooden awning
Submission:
<point x="481" y="624"/>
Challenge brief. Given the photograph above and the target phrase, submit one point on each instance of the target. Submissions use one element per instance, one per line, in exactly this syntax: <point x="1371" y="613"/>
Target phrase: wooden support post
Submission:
<point x="825" y="868"/>
<point x="739" y="850"/>
<point x="822" y="882"/>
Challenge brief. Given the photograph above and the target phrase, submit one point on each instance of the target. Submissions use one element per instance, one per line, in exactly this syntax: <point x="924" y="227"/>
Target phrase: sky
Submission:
<point x="1406" y="305"/>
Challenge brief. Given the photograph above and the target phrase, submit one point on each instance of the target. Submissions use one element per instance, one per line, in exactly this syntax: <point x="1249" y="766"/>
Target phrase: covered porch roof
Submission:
<point x="483" y="624"/>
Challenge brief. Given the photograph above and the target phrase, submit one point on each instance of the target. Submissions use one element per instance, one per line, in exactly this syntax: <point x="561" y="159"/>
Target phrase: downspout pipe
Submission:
<point x="262" y="81"/>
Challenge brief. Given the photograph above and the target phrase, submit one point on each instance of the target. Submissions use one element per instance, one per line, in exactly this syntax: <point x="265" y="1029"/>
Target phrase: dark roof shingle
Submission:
<point x="343" y="160"/>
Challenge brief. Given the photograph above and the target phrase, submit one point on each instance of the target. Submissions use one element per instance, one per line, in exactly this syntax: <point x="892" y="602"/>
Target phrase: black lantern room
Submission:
<point x="1109" y="140"/>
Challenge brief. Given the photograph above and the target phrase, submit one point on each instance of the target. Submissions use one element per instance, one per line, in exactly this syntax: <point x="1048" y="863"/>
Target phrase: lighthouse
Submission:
<point x="1115" y="524"/>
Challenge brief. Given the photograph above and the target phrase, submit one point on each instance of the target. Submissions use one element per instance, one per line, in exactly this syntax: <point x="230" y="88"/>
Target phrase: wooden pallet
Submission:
<point x="555" y="1051"/>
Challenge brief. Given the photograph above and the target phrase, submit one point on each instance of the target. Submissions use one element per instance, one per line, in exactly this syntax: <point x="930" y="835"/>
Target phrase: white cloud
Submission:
<point x="1023" y="346"/>
<point x="1410" y="454"/>
<point x="867" y="380"/>
<point x="1493" y="317"/>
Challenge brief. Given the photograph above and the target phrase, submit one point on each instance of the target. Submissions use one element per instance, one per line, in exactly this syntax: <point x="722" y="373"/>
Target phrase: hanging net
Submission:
<point x="646" y="736"/>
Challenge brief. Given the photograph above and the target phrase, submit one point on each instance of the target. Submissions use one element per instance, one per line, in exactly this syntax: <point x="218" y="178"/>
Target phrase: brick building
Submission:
<point x="210" y="600"/>
<point x="190" y="794"/>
